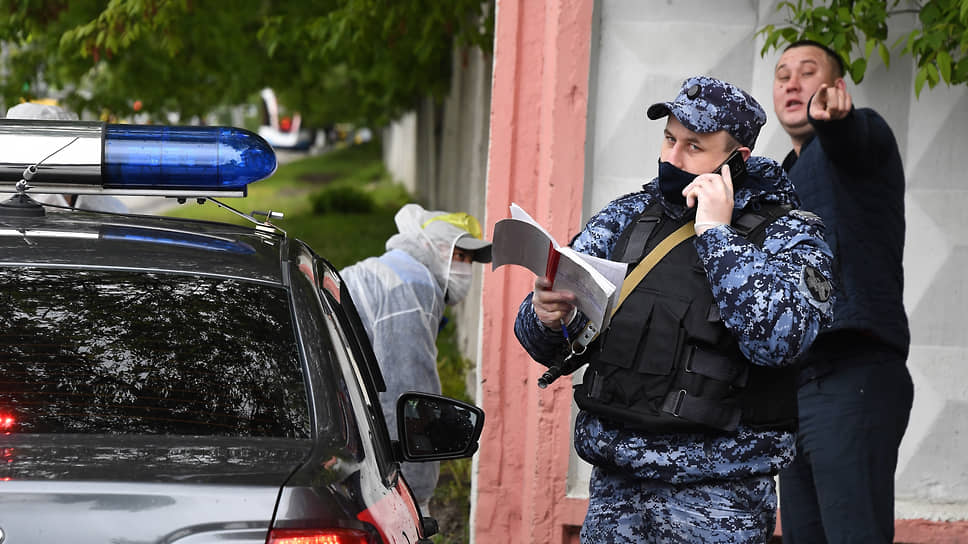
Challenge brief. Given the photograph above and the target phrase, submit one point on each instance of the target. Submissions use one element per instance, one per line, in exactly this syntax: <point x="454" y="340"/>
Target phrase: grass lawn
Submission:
<point x="344" y="237"/>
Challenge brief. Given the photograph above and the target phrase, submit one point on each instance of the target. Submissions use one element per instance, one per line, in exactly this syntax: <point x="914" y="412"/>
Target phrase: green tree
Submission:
<point x="857" y="28"/>
<point x="333" y="60"/>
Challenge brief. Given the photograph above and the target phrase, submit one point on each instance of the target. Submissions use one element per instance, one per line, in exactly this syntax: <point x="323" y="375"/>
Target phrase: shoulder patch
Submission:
<point x="813" y="282"/>
<point x="805" y="215"/>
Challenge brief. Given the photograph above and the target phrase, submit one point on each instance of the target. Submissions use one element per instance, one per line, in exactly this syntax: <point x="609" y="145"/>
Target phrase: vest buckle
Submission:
<point x="680" y="396"/>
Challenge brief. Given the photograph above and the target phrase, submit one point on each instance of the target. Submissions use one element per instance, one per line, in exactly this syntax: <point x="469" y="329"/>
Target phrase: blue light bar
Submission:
<point x="184" y="157"/>
<point x="83" y="157"/>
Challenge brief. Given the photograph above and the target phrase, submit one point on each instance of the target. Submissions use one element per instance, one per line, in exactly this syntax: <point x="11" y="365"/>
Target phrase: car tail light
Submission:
<point x="319" y="536"/>
<point x="7" y="422"/>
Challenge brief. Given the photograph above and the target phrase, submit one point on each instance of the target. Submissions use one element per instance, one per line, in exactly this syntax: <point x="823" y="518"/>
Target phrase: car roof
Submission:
<point x="92" y="240"/>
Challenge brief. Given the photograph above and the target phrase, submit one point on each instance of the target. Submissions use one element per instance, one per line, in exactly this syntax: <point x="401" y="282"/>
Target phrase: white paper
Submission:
<point x="522" y="241"/>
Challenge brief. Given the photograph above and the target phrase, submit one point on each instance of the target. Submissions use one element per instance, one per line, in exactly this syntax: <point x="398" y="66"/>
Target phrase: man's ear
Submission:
<point x="840" y="84"/>
<point x="746" y="152"/>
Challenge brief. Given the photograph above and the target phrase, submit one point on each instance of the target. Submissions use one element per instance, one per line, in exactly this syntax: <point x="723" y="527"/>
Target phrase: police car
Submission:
<point x="177" y="381"/>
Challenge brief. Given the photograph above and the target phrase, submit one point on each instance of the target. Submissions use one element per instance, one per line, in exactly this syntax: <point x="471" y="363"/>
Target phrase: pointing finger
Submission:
<point x="819" y="104"/>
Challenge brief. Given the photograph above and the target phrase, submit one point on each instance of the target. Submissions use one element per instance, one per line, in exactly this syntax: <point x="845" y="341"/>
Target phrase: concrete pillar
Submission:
<point x="536" y="159"/>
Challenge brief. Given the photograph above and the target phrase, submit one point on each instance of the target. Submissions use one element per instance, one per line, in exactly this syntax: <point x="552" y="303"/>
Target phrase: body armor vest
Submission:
<point x="667" y="363"/>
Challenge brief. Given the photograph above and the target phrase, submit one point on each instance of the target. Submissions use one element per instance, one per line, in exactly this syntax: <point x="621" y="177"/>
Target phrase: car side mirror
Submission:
<point x="434" y="428"/>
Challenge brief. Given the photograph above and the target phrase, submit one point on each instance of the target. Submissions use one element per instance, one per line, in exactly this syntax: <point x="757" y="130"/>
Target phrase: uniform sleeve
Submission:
<point x="774" y="299"/>
<point x="599" y="236"/>
<point x="544" y="345"/>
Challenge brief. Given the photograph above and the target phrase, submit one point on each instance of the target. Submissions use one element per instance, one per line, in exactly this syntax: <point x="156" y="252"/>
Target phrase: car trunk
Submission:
<point x="142" y="489"/>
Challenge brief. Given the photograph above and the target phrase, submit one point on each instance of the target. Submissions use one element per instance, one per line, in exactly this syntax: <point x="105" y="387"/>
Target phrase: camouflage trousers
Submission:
<point x="623" y="509"/>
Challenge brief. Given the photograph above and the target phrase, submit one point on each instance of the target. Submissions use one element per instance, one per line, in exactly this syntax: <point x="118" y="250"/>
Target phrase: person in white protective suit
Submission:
<point x="401" y="296"/>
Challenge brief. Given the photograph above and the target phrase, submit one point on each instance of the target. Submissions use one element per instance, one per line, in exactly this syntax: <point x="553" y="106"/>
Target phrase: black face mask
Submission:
<point x="672" y="181"/>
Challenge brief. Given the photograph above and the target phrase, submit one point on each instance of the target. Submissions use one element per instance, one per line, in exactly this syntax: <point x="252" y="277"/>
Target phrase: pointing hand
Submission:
<point x="830" y="103"/>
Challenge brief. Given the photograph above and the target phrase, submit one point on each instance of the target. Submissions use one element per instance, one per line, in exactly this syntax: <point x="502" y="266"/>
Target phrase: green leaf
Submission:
<point x="857" y="69"/>
<point x="771" y="39"/>
<point x="929" y="14"/>
<point x="823" y="13"/>
<point x="885" y="55"/>
<point x="960" y="72"/>
<point x="919" y="81"/>
<point x="840" y="43"/>
<point x="932" y="75"/>
<point x="869" y="47"/>
<point x="911" y="38"/>
<point x="944" y="65"/>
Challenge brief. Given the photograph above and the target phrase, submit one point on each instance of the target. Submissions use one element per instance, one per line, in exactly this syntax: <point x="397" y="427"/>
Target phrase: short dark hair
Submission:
<point x="839" y="66"/>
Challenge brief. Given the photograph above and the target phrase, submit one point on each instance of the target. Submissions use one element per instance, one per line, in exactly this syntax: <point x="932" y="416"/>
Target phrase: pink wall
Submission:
<point x="536" y="158"/>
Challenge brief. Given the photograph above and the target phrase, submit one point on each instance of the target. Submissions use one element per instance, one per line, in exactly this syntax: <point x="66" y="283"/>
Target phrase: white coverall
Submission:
<point x="400" y="299"/>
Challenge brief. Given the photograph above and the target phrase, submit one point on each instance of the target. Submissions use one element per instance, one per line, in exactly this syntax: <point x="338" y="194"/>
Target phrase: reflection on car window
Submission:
<point x="122" y="352"/>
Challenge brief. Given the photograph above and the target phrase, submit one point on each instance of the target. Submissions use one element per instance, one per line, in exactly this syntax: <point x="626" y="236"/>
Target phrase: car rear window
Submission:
<point x="141" y="353"/>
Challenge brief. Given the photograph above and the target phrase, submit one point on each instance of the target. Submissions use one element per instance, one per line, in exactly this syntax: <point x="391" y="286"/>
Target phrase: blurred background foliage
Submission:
<point x="357" y="61"/>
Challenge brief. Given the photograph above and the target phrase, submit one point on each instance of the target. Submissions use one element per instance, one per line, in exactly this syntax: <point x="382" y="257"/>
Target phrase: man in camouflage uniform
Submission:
<point x="658" y="475"/>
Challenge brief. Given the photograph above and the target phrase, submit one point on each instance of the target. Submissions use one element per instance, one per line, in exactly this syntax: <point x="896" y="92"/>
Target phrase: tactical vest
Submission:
<point x="667" y="363"/>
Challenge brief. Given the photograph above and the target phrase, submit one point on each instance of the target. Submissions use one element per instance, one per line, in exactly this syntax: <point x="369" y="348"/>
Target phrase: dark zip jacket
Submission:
<point x="850" y="174"/>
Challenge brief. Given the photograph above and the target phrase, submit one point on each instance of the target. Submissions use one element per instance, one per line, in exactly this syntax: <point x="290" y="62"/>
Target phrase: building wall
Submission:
<point x="536" y="159"/>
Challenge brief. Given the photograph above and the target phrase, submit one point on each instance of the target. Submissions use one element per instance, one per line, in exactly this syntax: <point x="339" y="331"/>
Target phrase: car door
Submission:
<point x="390" y="506"/>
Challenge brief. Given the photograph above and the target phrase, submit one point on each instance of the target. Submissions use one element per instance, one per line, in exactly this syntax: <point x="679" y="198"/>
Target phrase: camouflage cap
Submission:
<point x="706" y="104"/>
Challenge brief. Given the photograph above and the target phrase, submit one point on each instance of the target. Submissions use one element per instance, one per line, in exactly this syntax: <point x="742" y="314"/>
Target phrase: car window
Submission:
<point x="337" y="418"/>
<point x="87" y="351"/>
<point x="358" y="355"/>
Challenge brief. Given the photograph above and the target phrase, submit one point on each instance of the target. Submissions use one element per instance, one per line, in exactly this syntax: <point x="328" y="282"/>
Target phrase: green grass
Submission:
<point x="343" y="239"/>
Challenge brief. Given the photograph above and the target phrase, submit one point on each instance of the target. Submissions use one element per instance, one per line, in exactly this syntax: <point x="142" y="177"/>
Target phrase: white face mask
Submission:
<point x="459" y="282"/>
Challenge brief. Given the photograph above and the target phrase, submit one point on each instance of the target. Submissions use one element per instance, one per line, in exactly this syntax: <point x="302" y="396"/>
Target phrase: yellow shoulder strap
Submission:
<point x="681" y="234"/>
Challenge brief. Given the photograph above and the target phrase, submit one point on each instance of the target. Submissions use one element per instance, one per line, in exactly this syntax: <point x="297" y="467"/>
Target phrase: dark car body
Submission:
<point x="176" y="381"/>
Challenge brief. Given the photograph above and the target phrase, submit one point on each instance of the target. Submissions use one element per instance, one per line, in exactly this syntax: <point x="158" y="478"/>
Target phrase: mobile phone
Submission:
<point x="737" y="166"/>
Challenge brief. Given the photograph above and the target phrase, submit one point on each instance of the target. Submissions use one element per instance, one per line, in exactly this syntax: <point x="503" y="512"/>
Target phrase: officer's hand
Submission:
<point x="551" y="306"/>
<point x="712" y="194"/>
<point x="830" y="103"/>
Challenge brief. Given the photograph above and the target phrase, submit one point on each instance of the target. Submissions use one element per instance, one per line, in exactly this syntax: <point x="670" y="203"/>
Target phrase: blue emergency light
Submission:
<point x="184" y="156"/>
<point x="83" y="157"/>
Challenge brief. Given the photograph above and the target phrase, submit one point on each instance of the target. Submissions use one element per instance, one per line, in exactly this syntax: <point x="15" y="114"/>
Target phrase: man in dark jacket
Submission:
<point x="688" y="403"/>
<point x="855" y="389"/>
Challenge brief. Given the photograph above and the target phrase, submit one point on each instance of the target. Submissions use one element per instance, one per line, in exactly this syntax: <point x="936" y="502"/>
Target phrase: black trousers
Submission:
<point x="853" y="410"/>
